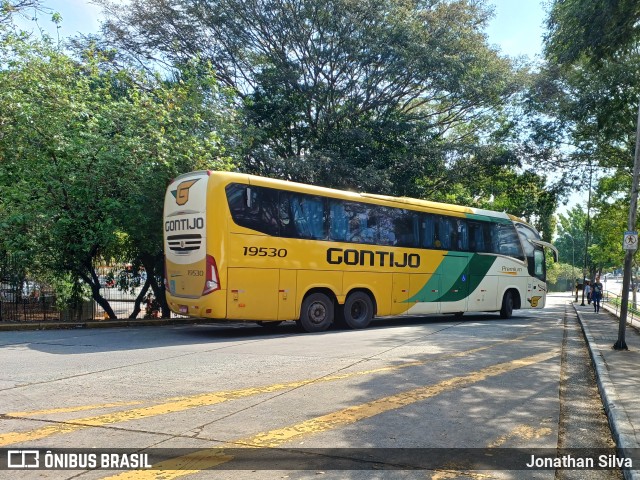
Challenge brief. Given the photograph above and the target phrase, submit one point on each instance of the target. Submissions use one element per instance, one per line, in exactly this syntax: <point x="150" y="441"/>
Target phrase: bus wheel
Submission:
<point x="358" y="310"/>
<point x="507" y="305"/>
<point x="316" y="314"/>
<point x="269" y="325"/>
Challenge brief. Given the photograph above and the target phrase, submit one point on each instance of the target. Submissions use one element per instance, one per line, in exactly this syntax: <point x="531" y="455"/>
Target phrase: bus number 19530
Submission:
<point x="264" y="252"/>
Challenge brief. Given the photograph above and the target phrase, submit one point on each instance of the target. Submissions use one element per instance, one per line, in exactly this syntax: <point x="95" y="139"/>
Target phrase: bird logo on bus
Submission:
<point x="181" y="194"/>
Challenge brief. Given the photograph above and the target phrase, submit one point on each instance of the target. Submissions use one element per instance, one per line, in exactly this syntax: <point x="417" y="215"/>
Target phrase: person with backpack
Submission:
<point x="596" y="294"/>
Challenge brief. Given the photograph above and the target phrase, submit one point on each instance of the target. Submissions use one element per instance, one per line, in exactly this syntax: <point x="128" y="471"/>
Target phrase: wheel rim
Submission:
<point x="317" y="313"/>
<point x="358" y="311"/>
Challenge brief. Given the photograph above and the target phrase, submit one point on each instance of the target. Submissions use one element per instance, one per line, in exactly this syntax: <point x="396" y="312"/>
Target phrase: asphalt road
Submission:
<point x="419" y="383"/>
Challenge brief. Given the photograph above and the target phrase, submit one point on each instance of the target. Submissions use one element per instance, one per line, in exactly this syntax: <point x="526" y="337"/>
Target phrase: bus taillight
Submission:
<point x="211" y="283"/>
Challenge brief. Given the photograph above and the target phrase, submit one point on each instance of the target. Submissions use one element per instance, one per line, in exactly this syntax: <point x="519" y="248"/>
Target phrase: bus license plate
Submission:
<point x="184" y="309"/>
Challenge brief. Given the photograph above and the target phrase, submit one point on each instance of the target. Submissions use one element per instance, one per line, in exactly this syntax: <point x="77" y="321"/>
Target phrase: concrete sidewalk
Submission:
<point x="618" y="375"/>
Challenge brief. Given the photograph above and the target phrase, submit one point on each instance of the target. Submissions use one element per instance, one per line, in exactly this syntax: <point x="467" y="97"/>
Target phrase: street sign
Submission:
<point x="630" y="241"/>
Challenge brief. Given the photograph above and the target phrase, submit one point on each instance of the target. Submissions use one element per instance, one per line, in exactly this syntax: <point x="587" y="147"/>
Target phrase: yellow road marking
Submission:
<point x="209" y="458"/>
<point x="525" y="432"/>
<point x="71" y="409"/>
<point x="522" y="431"/>
<point x="201" y="400"/>
<point x="447" y="474"/>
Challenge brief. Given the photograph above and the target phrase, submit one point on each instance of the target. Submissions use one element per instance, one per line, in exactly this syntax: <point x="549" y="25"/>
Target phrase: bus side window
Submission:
<point x="477" y="232"/>
<point x="428" y="231"/>
<point x="287" y="229"/>
<point x="265" y="211"/>
<point x="308" y="216"/>
<point x="463" y="235"/>
<point x="387" y="220"/>
<point x="446" y="232"/>
<point x="236" y="198"/>
<point x="539" y="265"/>
<point x="255" y="208"/>
<point x="338" y="221"/>
<point x="406" y="227"/>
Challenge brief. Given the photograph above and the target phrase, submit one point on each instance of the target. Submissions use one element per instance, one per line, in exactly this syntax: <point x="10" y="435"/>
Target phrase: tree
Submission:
<point x="86" y="152"/>
<point x="592" y="29"/>
<point x="599" y="37"/>
<point x="384" y="96"/>
<point x="571" y="240"/>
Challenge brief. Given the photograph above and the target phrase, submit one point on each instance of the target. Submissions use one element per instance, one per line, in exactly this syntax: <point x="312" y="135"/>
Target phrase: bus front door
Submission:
<point x="454" y="283"/>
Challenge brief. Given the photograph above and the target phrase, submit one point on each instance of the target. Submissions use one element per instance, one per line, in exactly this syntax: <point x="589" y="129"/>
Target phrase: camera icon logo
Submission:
<point x="23" y="459"/>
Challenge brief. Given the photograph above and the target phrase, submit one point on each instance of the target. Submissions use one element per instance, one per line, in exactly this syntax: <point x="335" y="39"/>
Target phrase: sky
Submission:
<point x="516" y="29"/>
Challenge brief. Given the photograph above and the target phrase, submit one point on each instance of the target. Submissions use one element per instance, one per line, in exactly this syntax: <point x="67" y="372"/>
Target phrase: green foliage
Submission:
<point x="561" y="275"/>
<point x="590" y="88"/>
<point x="609" y="225"/>
<point x="393" y="97"/>
<point x="594" y="29"/>
<point x="572" y="236"/>
<point x="69" y="291"/>
<point x="87" y="150"/>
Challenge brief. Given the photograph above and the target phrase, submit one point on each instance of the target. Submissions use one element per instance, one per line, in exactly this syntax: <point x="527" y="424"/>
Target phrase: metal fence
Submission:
<point x="24" y="298"/>
<point x="615" y="300"/>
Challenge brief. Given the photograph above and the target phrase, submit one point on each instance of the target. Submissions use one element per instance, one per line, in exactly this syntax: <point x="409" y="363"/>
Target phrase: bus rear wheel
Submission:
<point x="316" y="314"/>
<point x="507" y="305"/>
<point x="358" y="310"/>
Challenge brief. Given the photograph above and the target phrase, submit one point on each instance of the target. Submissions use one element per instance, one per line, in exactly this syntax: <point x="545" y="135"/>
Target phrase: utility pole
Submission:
<point x="621" y="344"/>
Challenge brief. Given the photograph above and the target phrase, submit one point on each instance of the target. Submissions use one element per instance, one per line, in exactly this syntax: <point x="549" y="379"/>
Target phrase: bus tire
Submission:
<point x="507" y="305"/>
<point x="358" y="310"/>
<point x="316" y="314"/>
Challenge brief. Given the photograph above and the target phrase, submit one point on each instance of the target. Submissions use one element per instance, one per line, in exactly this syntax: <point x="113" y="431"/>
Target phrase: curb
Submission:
<point x="618" y="418"/>
<point x="102" y="324"/>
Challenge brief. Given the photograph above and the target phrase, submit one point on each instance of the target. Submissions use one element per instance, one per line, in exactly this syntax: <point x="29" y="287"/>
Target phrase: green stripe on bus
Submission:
<point x="479" y="265"/>
<point x="466" y="278"/>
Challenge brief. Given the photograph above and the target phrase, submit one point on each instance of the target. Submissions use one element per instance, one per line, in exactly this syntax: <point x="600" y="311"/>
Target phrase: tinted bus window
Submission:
<point x="406" y="228"/>
<point x="338" y="222"/>
<point x="527" y="233"/>
<point x="539" y="265"/>
<point x="428" y="231"/>
<point x="462" y="235"/>
<point x="446" y="233"/>
<point x="381" y="221"/>
<point x="308" y="216"/>
<point x="478" y="237"/>
<point x="254" y="207"/>
<point x="506" y="240"/>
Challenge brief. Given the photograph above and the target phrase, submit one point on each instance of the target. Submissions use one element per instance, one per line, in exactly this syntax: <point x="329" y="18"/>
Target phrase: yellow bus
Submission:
<point x="243" y="247"/>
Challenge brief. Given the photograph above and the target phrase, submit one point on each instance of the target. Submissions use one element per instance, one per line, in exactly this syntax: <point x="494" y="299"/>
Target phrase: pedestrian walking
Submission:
<point x="587" y="291"/>
<point x="596" y="294"/>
